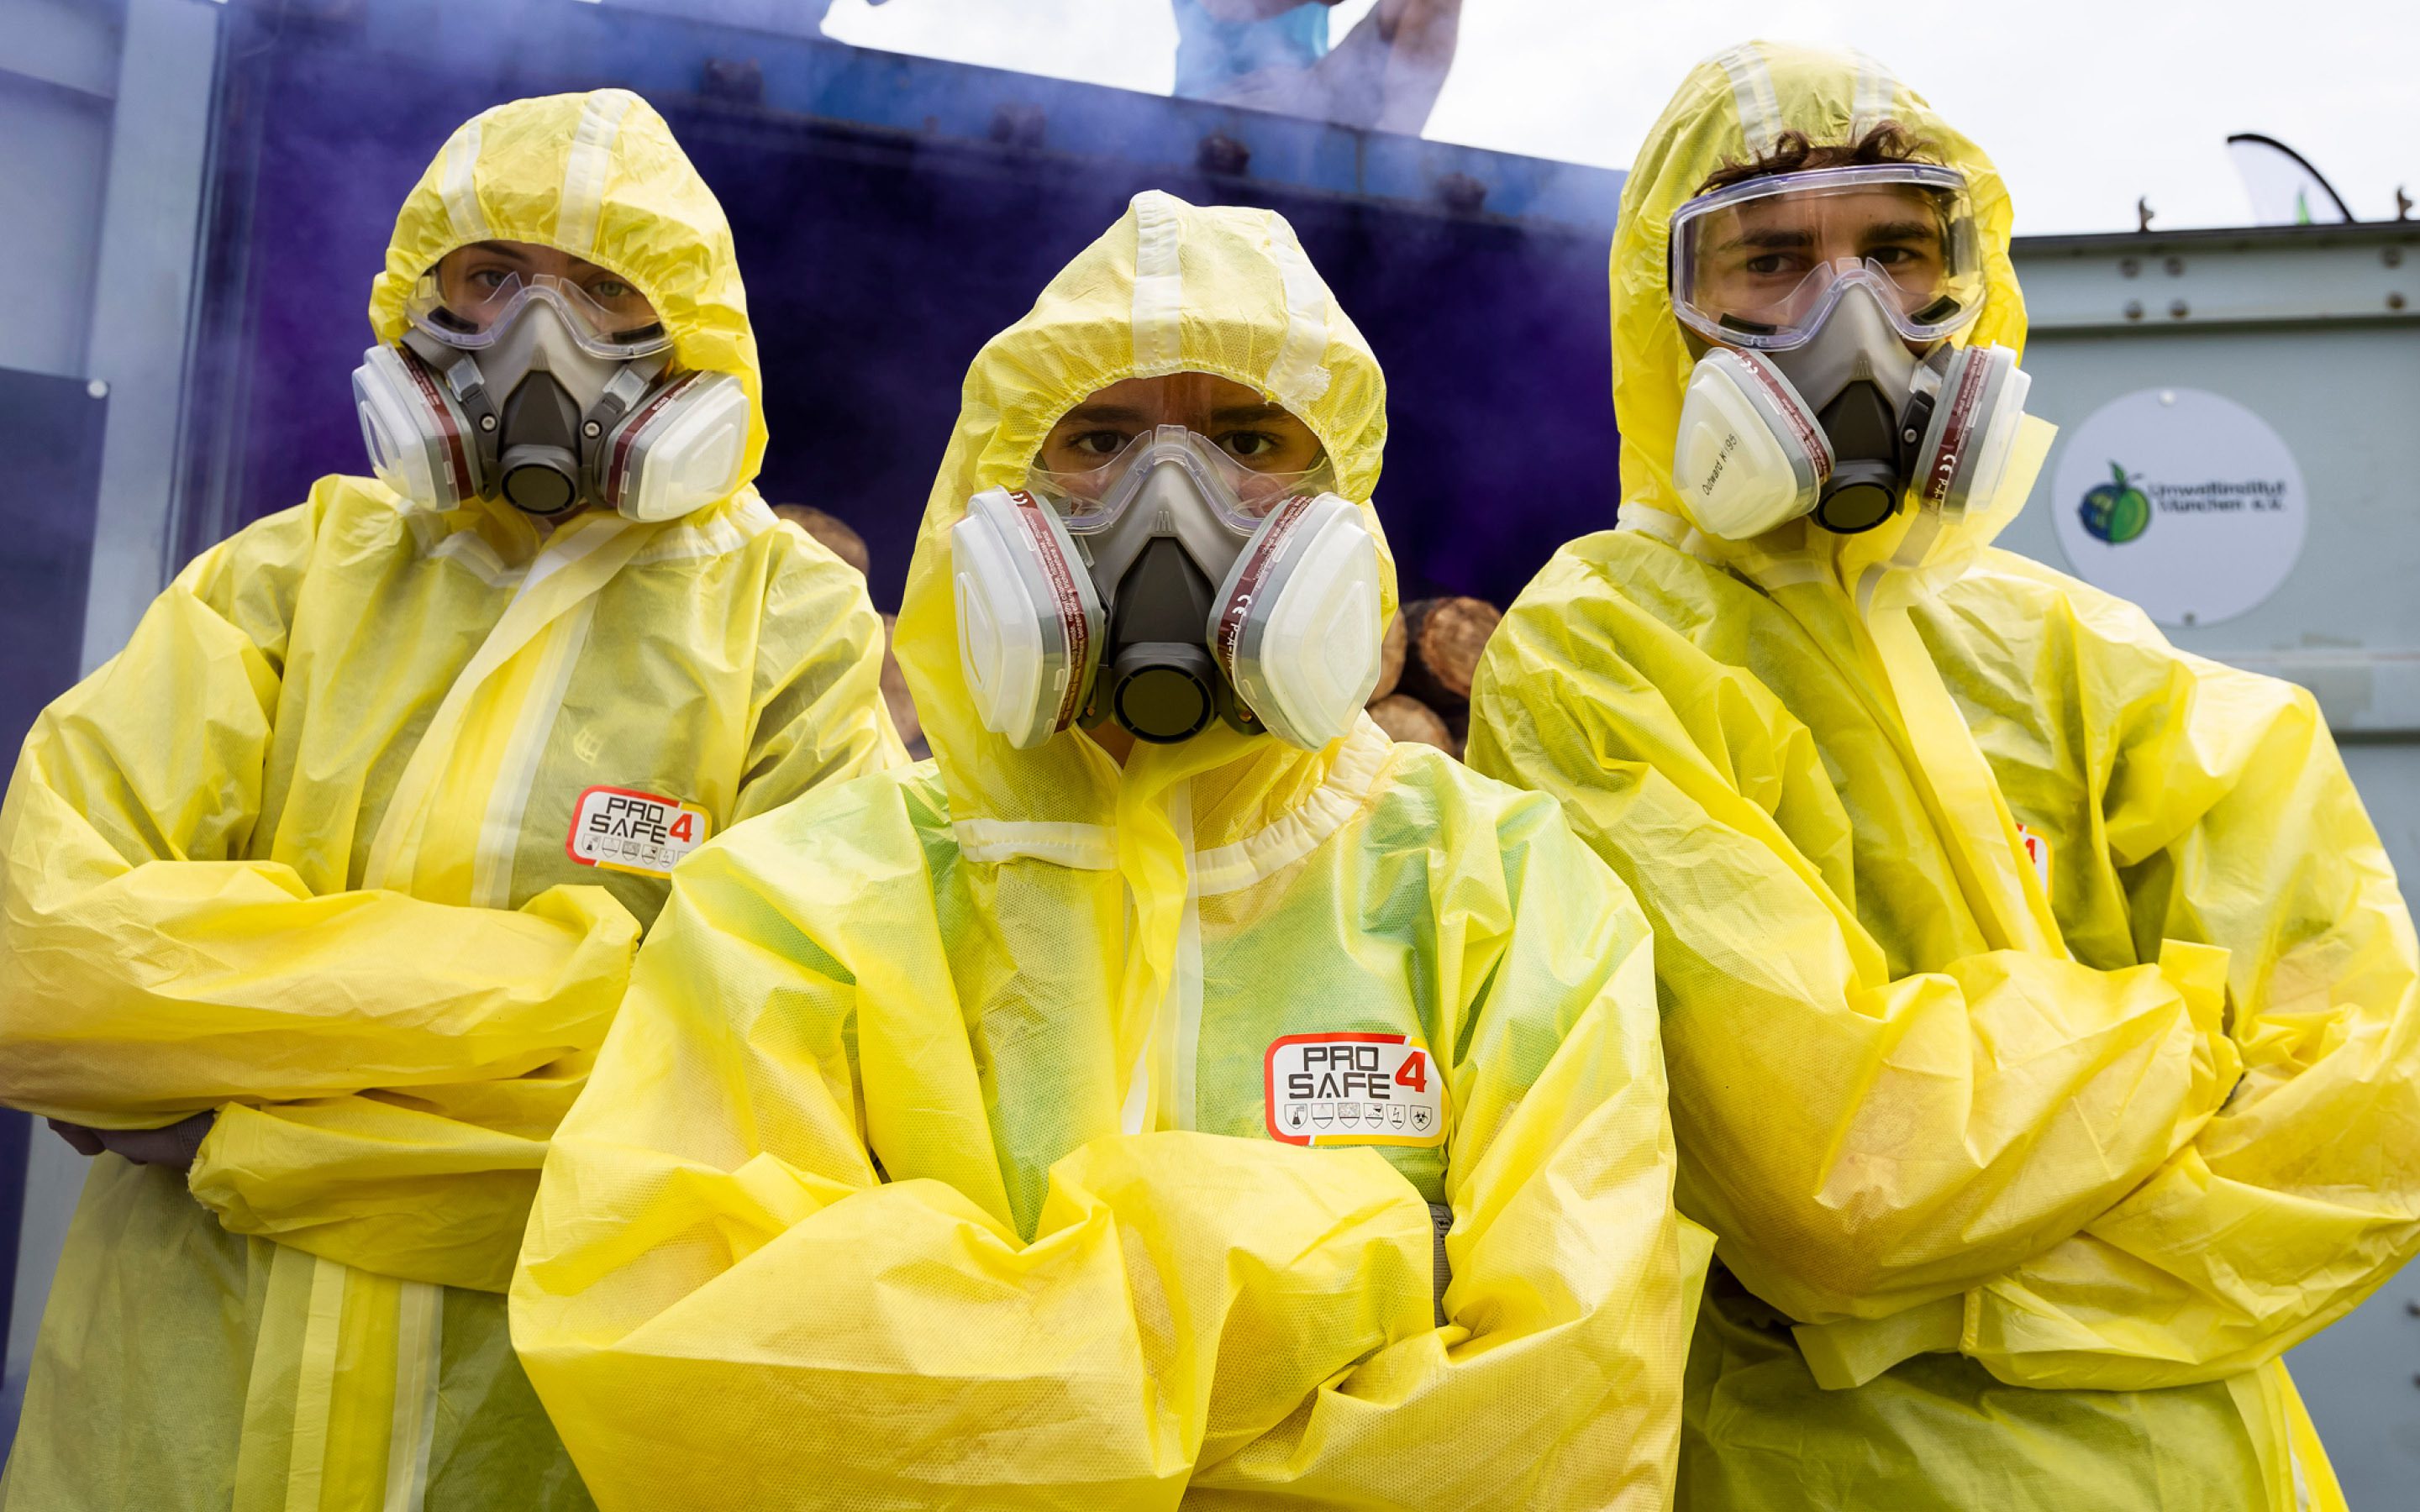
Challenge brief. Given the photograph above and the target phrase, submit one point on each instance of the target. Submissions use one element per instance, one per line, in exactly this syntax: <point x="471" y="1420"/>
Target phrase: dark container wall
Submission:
<point x="877" y="261"/>
<point x="50" y="430"/>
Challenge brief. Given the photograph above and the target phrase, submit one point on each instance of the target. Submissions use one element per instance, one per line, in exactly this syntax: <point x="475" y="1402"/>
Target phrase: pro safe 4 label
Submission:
<point x="1326" y="1090"/>
<point x="622" y="831"/>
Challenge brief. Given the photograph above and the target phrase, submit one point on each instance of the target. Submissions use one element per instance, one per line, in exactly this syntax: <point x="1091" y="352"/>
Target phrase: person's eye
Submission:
<point x="1250" y="445"/>
<point x="1099" y="444"/>
<point x="1770" y="264"/>
<point x="488" y="280"/>
<point x="610" y="290"/>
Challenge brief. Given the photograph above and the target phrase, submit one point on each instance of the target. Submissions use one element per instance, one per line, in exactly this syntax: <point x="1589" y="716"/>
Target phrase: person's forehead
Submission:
<point x="1175" y="396"/>
<point x="524" y="253"/>
<point x="1863" y="205"/>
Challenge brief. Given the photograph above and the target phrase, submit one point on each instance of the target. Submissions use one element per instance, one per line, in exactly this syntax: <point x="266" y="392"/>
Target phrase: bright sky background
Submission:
<point x="2084" y="104"/>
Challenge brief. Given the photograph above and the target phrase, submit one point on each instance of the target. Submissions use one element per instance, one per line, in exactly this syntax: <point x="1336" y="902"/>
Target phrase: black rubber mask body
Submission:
<point x="539" y="466"/>
<point x="1158" y="679"/>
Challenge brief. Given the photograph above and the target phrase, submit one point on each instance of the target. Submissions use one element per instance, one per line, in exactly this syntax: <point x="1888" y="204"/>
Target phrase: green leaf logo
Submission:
<point x="2116" y="511"/>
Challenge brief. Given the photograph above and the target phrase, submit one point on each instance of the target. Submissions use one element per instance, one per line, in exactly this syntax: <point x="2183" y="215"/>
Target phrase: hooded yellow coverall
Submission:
<point x="2037" y="999"/>
<point x="929" y="1163"/>
<point x="298" y="854"/>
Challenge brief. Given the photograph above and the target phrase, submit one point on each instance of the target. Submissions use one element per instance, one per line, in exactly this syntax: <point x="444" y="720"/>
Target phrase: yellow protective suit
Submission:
<point x="929" y="1163"/>
<point x="299" y="855"/>
<point x="2037" y="999"/>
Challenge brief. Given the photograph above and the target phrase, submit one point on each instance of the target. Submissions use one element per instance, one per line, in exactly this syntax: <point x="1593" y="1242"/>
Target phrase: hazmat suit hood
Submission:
<point x="598" y="176"/>
<point x="1171" y="288"/>
<point x="1732" y="108"/>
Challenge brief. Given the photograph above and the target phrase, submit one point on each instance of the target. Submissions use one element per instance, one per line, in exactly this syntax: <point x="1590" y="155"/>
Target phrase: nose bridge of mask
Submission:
<point x="1854" y="344"/>
<point x="1856" y="373"/>
<point x="541" y="340"/>
<point x="1170" y="501"/>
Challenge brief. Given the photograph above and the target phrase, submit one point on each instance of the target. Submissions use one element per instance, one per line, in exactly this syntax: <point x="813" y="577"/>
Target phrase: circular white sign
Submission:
<point x="2182" y="500"/>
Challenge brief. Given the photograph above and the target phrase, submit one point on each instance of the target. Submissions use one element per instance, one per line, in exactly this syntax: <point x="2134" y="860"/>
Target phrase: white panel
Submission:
<point x="49" y="200"/>
<point x="53" y="1176"/>
<point x="71" y="43"/>
<point x="2361" y="1379"/>
<point x="2343" y="394"/>
<point x="139" y="184"/>
<point x="143" y="297"/>
<point x="2345" y="623"/>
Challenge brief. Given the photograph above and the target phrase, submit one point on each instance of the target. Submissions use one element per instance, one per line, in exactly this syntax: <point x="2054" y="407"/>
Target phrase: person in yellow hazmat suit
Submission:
<point x="1061" y="1123"/>
<point x="336" y="870"/>
<point x="2037" y="999"/>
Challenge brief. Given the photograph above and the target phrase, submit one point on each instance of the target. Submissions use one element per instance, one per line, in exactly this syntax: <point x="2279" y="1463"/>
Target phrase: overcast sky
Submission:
<point x="2084" y="104"/>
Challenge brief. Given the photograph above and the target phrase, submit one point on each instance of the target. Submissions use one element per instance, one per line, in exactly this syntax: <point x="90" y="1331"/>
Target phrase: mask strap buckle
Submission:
<point x="469" y="388"/>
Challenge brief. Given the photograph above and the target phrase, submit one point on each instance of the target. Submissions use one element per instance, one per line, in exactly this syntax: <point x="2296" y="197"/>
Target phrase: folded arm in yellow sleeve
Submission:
<point x="724" y="1266"/>
<point x="718" y="1267"/>
<point x="1864" y="1142"/>
<point x="2232" y="822"/>
<point x="151" y="970"/>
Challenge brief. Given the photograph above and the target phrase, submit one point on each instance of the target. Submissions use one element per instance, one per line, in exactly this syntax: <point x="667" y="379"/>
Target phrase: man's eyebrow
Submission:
<point x="1246" y="414"/>
<point x="1773" y="238"/>
<point x="500" y="249"/>
<point x="1903" y="231"/>
<point x="1102" y="414"/>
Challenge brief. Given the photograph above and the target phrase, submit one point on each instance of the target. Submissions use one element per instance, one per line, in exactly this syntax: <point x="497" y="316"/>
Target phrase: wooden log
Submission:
<point x="1390" y="659"/>
<point x="831" y="531"/>
<point x="1408" y="718"/>
<point x="904" y="716"/>
<point x="1443" y="638"/>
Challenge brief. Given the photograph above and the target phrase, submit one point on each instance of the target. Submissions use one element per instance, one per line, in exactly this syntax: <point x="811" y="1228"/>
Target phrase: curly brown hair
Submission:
<point x="1885" y="142"/>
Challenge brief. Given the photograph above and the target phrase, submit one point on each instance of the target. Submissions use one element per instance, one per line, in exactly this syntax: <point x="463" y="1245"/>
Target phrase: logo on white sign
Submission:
<point x="2182" y="500"/>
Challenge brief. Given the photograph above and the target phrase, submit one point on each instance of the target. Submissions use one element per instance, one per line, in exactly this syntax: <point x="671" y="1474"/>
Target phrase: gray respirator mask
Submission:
<point x="1822" y="304"/>
<point x="532" y="417"/>
<point x="1843" y="426"/>
<point x="1166" y="591"/>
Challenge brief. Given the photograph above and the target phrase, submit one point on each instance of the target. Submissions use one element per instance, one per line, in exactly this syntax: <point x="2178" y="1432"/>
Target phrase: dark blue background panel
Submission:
<point x="880" y="259"/>
<point x="49" y="431"/>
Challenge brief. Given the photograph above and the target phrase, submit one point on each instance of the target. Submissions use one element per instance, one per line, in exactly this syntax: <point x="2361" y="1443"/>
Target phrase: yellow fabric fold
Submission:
<point x="1850" y="1353"/>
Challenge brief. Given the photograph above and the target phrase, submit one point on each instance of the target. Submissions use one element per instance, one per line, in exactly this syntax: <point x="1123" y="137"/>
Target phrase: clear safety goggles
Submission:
<point x="1762" y="263"/>
<point x="622" y="326"/>
<point x="1094" y="499"/>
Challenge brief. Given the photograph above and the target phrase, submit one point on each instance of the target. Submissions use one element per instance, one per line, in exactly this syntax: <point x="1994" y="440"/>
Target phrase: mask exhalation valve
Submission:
<point x="540" y="468"/>
<point x="1865" y="482"/>
<point x="1162" y="684"/>
<point x="1164" y="691"/>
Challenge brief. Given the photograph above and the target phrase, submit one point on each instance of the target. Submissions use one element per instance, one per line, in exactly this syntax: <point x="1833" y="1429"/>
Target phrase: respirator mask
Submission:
<point x="543" y="396"/>
<point x="1827" y="301"/>
<point x="1171" y="587"/>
